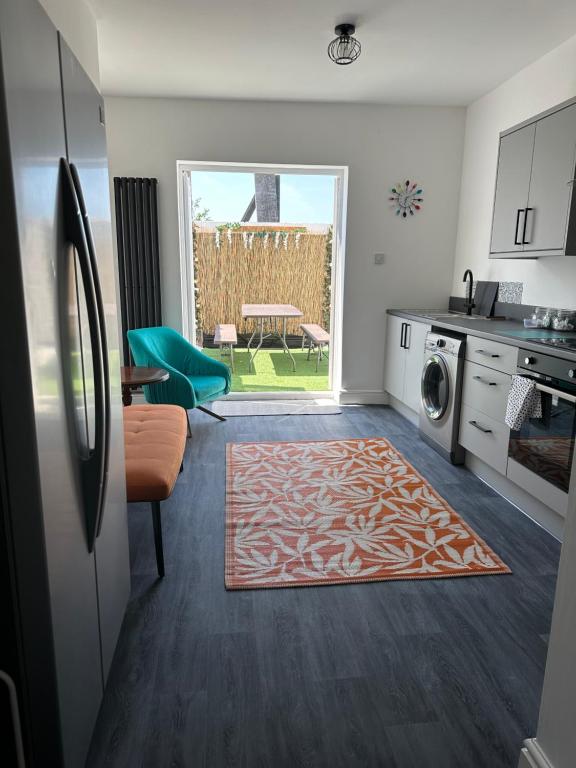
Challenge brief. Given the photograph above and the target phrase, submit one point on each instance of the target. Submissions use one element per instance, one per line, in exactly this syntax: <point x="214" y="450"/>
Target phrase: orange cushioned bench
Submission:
<point x="155" y="439"/>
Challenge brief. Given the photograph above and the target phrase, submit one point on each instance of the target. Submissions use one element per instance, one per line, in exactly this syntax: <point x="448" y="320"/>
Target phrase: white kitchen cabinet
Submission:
<point x="414" y="355"/>
<point x="492" y="354"/>
<point x="395" y="360"/>
<point x="488" y="373"/>
<point x="404" y="359"/>
<point x="512" y="188"/>
<point x="534" y="203"/>
<point x="485" y="437"/>
<point x="486" y="390"/>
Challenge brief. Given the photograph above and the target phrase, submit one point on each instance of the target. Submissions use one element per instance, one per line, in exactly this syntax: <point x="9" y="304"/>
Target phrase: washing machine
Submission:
<point x="441" y="392"/>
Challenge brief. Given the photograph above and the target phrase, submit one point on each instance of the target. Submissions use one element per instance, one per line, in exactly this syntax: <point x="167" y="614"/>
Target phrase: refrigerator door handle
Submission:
<point x="15" y="714"/>
<point x="103" y="338"/>
<point x="92" y="465"/>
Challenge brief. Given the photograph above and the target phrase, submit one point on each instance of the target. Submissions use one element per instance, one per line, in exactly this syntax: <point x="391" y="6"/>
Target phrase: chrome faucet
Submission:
<point x="469" y="301"/>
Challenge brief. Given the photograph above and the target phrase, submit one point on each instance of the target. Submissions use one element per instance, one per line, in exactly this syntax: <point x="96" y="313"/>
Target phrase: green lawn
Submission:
<point x="273" y="371"/>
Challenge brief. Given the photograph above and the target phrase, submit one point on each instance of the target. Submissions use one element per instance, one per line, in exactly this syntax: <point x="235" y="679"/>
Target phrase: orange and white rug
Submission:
<point x="336" y="511"/>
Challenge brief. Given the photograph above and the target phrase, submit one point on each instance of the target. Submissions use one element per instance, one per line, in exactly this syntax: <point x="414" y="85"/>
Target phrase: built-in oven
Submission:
<point x="540" y="453"/>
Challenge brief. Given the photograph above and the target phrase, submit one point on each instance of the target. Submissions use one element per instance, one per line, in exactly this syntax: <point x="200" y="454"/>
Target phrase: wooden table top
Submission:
<point x="270" y="310"/>
<point x="137" y="375"/>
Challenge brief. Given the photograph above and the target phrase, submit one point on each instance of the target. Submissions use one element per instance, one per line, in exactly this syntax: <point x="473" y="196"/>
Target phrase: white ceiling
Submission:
<point x="413" y="51"/>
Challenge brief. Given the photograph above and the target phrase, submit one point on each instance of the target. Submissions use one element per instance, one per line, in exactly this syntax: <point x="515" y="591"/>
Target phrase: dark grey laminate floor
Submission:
<point x="424" y="674"/>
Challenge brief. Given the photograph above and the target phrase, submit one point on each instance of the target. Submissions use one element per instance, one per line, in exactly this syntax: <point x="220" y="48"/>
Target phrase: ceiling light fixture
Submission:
<point x="344" y="49"/>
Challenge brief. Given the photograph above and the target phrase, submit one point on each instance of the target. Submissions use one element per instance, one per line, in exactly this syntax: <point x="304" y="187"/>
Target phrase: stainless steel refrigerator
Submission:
<point x="64" y="565"/>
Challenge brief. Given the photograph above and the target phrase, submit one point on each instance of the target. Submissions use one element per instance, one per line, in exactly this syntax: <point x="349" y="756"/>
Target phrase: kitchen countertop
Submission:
<point x="506" y="331"/>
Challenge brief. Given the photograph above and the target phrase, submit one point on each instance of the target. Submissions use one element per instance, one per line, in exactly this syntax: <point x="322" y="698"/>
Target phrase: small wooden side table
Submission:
<point x="133" y="377"/>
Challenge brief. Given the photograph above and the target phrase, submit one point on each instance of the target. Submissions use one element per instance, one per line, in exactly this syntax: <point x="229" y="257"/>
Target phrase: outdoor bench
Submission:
<point x="317" y="337"/>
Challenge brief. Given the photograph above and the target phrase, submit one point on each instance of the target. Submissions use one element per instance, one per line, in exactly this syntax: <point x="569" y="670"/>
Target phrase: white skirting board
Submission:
<point x="403" y="410"/>
<point x="363" y="397"/>
<point x="541" y="514"/>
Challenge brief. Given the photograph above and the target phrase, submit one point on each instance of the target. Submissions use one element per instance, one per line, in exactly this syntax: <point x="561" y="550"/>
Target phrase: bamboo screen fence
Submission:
<point x="268" y="266"/>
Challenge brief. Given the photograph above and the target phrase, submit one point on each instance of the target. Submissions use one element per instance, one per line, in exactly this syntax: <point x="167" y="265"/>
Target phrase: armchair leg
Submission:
<point x="157" y="523"/>
<point x="211" y="413"/>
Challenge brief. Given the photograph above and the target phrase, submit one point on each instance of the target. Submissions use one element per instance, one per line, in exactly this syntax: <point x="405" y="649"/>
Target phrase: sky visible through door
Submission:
<point x="304" y="199"/>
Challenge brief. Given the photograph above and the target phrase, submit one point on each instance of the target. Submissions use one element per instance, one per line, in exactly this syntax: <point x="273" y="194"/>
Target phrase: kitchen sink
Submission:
<point x="461" y="315"/>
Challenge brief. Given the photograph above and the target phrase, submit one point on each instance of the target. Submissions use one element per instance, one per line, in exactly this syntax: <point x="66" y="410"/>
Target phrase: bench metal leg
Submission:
<point x="157" y="523"/>
<point x="227" y="348"/>
<point x="211" y="413"/>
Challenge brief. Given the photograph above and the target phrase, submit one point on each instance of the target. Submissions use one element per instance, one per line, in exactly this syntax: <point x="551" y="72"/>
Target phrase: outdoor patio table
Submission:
<point x="274" y="312"/>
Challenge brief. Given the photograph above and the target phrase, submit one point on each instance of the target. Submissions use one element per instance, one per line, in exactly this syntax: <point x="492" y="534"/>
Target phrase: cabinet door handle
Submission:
<point x="480" y="427"/>
<point x="516" y="241"/>
<point x="524" y="241"/>
<point x="485" y="381"/>
<point x="408" y="336"/>
<point x="404" y="335"/>
<point x="486" y="354"/>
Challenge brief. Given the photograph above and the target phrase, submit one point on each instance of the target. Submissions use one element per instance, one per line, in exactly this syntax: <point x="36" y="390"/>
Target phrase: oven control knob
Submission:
<point x="441" y="343"/>
<point x="571" y="373"/>
<point x="529" y="360"/>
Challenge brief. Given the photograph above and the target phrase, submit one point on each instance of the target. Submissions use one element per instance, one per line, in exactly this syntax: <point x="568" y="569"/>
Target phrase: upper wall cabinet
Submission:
<point x="534" y="208"/>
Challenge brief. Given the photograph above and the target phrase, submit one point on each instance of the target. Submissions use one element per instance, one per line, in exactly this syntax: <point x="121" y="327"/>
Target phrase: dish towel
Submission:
<point x="524" y="402"/>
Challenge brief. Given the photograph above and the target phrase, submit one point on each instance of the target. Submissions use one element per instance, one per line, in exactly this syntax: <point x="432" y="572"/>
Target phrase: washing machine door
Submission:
<point x="435" y="387"/>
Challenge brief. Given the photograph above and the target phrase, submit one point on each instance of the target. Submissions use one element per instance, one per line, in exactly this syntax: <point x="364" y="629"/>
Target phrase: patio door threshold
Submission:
<point x="282" y="395"/>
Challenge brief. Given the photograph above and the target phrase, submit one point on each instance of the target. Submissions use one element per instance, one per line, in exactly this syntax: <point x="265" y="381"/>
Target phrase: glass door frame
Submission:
<point x="184" y="168"/>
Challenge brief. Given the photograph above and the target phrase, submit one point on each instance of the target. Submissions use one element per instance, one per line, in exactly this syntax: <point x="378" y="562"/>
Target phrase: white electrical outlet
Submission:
<point x="379" y="258"/>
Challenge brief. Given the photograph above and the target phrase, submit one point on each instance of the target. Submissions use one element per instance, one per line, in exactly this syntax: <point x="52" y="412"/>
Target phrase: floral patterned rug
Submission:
<point x="336" y="511"/>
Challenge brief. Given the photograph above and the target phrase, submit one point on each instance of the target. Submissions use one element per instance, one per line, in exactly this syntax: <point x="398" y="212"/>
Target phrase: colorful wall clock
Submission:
<point x="406" y="198"/>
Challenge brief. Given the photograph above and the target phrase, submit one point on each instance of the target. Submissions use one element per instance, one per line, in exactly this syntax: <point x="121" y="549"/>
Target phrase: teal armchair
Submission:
<point x="194" y="379"/>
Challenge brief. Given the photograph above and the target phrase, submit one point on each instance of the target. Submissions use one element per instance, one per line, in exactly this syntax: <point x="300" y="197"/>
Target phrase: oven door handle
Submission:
<point x="556" y="392"/>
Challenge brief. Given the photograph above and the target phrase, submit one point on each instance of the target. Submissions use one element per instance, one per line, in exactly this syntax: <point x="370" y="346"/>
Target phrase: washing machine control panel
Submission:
<point x="446" y="344"/>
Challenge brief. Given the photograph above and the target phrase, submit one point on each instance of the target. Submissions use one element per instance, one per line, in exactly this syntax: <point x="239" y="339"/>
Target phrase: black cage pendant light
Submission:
<point x="344" y="49"/>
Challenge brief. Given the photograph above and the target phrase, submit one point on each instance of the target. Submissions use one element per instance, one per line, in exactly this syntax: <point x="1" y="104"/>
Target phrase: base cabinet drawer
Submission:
<point x="486" y="390"/>
<point x="501" y="357"/>
<point x="484" y="437"/>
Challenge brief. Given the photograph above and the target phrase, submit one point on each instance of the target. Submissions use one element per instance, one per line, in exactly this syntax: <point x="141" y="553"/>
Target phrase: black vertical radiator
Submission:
<point x="138" y="257"/>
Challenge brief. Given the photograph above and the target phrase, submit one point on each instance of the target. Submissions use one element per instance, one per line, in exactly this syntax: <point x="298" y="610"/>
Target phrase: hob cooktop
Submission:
<point x="558" y="342"/>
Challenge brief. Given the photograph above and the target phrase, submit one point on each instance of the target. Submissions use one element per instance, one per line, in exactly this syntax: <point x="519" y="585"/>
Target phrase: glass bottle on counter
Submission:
<point x="542" y="317"/>
<point x="564" y="320"/>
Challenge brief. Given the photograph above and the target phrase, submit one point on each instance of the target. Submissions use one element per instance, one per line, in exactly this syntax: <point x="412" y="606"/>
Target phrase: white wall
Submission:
<point x="542" y="85"/>
<point x="77" y="24"/>
<point x="381" y="145"/>
<point x="555" y="742"/>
